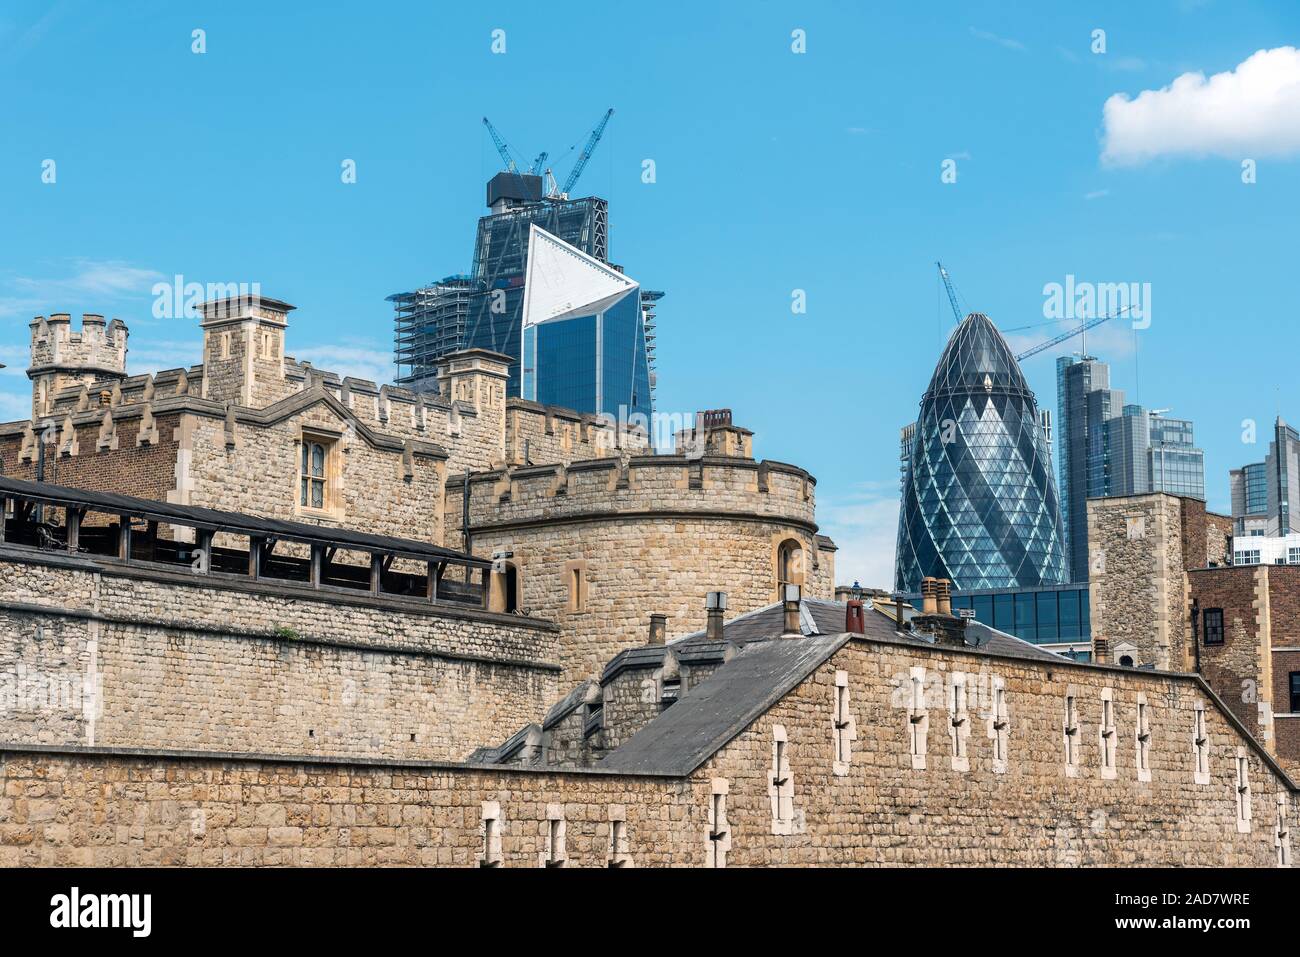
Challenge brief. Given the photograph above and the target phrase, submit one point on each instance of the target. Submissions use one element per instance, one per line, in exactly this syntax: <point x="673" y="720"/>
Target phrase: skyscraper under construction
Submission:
<point x="484" y="308"/>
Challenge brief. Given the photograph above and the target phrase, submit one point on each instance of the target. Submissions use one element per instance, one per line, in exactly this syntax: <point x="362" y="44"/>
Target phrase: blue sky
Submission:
<point x="775" y="172"/>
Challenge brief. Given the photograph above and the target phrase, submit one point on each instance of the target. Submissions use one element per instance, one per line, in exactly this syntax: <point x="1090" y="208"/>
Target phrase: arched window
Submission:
<point x="1126" y="661"/>
<point x="789" y="565"/>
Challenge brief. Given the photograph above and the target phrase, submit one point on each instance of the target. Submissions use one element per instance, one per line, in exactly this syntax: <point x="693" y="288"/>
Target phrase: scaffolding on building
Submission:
<point x="649" y="298"/>
<point x="430" y="323"/>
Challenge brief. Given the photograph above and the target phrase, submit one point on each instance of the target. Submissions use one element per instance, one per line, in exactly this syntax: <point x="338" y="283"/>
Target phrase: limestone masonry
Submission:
<point x="253" y="613"/>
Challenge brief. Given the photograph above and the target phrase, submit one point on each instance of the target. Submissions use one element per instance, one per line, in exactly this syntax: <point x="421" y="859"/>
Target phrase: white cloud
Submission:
<point x="351" y="358"/>
<point x="88" y="286"/>
<point x="1096" y="194"/>
<point x="1007" y="42"/>
<point x="864" y="526"/>
<point x="14" y="407"/>
<point x="1249" y="112"/>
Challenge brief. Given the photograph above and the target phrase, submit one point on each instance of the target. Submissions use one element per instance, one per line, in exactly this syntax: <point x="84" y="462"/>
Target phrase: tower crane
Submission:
<point x="1042" y="346"/>
<point x="587" y="150"/>
<point x="501" y="146"/>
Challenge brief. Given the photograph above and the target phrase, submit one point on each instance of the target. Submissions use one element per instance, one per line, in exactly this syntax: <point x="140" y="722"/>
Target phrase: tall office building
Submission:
<point x="484" y="309"/>
<point x="1262" y="492"/>
<point x="1084" y="402"/>
<point x="979" y="500"/>
<point x="1107" y="447"/>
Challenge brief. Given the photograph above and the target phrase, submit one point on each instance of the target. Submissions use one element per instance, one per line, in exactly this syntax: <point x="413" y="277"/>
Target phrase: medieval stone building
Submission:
<point x="252" y="613"/>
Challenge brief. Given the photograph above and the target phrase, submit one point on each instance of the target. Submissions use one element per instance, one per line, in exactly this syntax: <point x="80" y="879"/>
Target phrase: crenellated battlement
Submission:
<point x="63" y="357"/>
<point x="639" y="484"/>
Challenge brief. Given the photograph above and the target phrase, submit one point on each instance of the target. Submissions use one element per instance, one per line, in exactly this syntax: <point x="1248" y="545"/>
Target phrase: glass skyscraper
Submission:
<point x="484" y="309"/>
<point x="1106" y="447"/>
<point x="1262" y="492"/>
<point x="979" y="502"/>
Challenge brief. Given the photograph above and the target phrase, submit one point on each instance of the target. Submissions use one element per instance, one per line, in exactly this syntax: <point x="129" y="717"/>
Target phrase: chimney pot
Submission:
<point x="715" y="604"/>
<point x="943" y="595"/>
<point x="658" y="629"/>
<point x="854" y="620"/>
<point x="1101" y="651"/>
<point x="929" y="596"/>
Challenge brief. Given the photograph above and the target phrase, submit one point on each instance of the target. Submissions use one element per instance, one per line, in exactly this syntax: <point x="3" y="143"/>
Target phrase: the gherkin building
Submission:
<point x="979" y="502"/>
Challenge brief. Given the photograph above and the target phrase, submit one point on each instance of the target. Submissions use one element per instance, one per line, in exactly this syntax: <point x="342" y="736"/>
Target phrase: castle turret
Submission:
<point x="62" y="358"/>
<point x="243" y="350"/>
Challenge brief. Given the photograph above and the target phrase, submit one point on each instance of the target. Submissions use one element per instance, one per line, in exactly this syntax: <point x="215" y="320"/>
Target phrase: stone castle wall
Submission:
<point x="71" y="807"/>
<point x="641" y="536"/>
<point x="236" y="666"/>
<point x="1136" y="582"/>
<point x="1033" y="813"/>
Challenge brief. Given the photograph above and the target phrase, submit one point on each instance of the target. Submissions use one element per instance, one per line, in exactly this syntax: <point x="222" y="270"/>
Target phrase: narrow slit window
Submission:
<point x="1106" y="734"/>
<point x="1201" y="745"/>
<point x="1143" y="736"/>
<point x="1071" y="734"/>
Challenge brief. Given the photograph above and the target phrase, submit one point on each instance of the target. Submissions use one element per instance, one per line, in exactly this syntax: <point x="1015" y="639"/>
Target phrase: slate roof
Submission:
<point x="723" y="705"/>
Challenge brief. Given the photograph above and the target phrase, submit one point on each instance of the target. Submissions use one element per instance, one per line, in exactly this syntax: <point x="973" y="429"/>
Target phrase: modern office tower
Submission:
<point x="979" y="502"/>
<point x="484" y="309"/>
<point x="1084" y="402"/>
<point x="1249" y="488"/>
<point x="906" y="440"/>
<point x="581" y="322"/>
<point x="1107" y="447"/>
<point x="1262" y="492"/>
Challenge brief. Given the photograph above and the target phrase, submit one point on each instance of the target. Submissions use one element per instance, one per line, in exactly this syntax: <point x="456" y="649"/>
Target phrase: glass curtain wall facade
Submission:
<point x="979" y="501"/>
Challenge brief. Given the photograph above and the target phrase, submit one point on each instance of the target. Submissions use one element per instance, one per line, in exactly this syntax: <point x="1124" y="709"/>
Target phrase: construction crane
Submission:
<point x="538" y="164"/>
<point x="587" y="150"/>
<point x="952" y="293"/>
<point x="1084" y="327"/>
<point x="1042" y="346"/>
<point x="501" y="146"/>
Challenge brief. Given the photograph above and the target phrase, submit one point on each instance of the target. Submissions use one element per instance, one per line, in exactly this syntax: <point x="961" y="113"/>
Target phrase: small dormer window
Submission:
<point x="670" y="691"/>
<point x="595" y="718"/>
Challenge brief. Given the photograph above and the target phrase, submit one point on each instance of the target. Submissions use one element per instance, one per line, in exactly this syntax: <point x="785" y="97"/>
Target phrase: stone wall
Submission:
<point x="77" y="807"/>
<point x="1137" y="586"/>
<point x="649" y="535"/>
<point x="102" y="654"/>
<point x="1033" y="813"/>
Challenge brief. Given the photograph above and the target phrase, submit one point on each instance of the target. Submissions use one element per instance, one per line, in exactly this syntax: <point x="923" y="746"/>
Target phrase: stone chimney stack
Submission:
<point x="716" y="607"/>
<point x="790" y="596"/>
<point x="658" y="629"/>
<point x="1100" y="651"/>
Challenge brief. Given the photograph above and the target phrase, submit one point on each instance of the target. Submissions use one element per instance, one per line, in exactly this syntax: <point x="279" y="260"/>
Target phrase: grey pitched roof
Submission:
<point x="723" y="705"/>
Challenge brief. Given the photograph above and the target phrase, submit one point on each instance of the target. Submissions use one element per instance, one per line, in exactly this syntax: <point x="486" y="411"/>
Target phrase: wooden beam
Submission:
<point x="317" y="560"/>
<point x="376" y="573"/>
<point x="431" y="585"/>
<point x="254" y="557"/>
<point x="205" y="546"/>
<point x="124" y="538"/>
<point x="4" y="508"/>
<point x="486" y="575"/>
<point x="72" y="522"/>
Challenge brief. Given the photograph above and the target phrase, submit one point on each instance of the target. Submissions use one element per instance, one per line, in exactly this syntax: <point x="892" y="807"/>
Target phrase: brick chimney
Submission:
<point x="715" y="605"/>
<point x="658" y="629"/>
<point x="936" y="618"/>
<point x="790" y="595"/>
